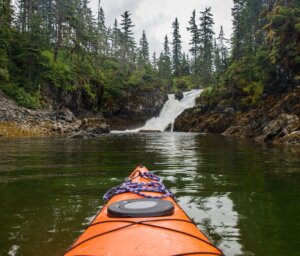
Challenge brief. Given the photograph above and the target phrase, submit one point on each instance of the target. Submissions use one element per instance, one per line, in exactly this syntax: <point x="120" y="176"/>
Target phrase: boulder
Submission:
<point x="66" y="115"/>
<point x="169" y="128"/>
<point x="179" y="96"/>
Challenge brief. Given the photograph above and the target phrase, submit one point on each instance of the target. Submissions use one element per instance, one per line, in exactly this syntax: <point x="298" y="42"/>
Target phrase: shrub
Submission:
<point x="21" y="97"/>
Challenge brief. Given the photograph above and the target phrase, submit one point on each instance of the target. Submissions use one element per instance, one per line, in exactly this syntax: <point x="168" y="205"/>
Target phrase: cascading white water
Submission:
<point x="170" y="111"/>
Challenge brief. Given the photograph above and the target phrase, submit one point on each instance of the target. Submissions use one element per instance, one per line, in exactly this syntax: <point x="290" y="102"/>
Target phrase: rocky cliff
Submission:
<point x="276" y="119"/>
<point x="134" y="108"/>
<point x="78" y="113"/>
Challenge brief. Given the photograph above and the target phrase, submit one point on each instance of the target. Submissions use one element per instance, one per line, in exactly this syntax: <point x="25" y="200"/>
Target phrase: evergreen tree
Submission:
<point x="221" y="51"/>
<point x="218" y="65"/>
<point x="195" y="40"/>
<point x="176" y="45"/>
<point x="144" y="50"/>
<point x="5" y="14"/>
<point x="154" y="61"/>
<point x="116" y="40"/>
<point x="164" y="63"/>
<point x="167" y="52"/>
<point x="128" y="43"/>
<point x="5" y="27"/>
<point x="238" y="30"/>
<point x="102" y="30"/>
<point x="206" y="42"/>
<point x="185" y="65"/>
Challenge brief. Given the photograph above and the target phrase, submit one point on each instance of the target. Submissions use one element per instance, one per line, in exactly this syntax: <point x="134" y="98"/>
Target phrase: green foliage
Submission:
<point x="4" y="75"/>
<point x="60" y="44"/>
<point x="284" y="39"/>
<point x="57" y="73"/>
<point x="176" y="50"/>
<point x="248" y="77"/>
<point x="21" y="96"/>
<point x="183" y="83"/>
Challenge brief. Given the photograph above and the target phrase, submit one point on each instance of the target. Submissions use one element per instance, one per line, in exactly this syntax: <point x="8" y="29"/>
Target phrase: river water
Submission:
<point x="244" y="196"/>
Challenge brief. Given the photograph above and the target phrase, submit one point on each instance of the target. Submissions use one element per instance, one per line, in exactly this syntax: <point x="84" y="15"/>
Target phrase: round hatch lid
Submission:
<point x="144" y="207"/>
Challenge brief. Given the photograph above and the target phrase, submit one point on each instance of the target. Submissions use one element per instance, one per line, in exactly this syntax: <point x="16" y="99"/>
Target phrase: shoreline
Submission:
<point x="259" y="124"/>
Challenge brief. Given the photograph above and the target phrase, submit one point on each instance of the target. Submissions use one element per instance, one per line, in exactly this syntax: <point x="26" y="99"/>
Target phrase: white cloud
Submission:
<point x="156" y="16"/>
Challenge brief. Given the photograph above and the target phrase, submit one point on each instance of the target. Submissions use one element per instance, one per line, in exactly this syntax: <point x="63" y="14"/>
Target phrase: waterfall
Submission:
<point x="170" y="111"/>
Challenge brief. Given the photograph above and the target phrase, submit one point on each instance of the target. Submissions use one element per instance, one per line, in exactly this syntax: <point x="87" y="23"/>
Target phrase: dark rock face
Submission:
<point x="133" y="110"/>
<point x="168" y="128"/>
<point x="90" y="128"/>
<point x="276" y="119"/>
<point x="192" y="121"/>
<point x="179" y="96"/>
<point x="78" y="100"/>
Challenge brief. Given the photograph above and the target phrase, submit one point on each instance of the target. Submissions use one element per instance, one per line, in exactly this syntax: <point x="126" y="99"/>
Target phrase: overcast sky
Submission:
<point x="156" y="17"/>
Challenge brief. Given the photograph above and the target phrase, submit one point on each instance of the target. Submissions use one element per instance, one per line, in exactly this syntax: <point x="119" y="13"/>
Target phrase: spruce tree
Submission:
<point x="128" y="43"/>
<point x="167" y="59"/>
<point x="164" y="62"/>
<point x="101" y="30"/>
<point x="185" y="65"/>
<point x="5" y="14"/>
<point x="206" y="44"/>
<point x="116" y="39"/>
<point x="176" y="48"/>
<point x="154" y="61"/>
<point x="238" y="29"/>
<point x="222" y="50"/>
<point x="194" y="50"/>
<point x="144" y="50"/>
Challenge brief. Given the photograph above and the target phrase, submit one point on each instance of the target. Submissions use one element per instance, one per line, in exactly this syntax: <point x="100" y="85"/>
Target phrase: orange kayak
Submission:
<point x="142" y="218"/>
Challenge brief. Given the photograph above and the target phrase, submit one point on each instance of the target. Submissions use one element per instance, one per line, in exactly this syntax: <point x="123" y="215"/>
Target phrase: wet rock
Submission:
<point x="292" y="138"/>
<point x="57" y="128"/>
<point x="169" y="128"/>
<point x="148" y="131"/>
<point x="192" y="120"/>
<point x="283" y="125"/>
<point x="66" y="115"/>
<point x="229" y="111"/>
<point x="90" y="128"/>
<point x="135" y="108"/>
<point x="179" y="96"/>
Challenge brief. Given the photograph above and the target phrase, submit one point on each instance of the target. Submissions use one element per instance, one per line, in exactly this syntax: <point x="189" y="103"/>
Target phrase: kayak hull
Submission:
<point x="169" y="235"/>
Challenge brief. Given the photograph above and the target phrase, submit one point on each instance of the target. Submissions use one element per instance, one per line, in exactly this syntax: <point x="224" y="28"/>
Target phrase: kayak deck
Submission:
<point x="168" y="235"/>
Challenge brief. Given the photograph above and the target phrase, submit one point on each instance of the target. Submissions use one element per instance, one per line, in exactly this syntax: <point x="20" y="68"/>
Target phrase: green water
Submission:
<point x="244" y="196"/>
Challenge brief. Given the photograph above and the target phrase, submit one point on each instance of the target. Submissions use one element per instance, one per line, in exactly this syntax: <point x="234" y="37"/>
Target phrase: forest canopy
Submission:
<point x="62" y="44"/>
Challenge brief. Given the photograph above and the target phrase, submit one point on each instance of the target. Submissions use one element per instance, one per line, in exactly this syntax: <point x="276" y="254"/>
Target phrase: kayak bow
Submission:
<point x="142" y="218"/>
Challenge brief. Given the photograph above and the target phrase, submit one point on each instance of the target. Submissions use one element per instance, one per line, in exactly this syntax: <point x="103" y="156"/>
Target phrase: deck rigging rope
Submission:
<point x="154" y="185"/>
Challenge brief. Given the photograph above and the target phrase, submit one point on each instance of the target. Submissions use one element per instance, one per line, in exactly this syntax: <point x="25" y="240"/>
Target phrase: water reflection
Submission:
<point x="213" y="212"/>
<point x="244" y="196"/>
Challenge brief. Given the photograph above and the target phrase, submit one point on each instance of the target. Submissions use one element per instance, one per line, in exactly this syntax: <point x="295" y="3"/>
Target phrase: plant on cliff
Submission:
<point x="283" y="36"/>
